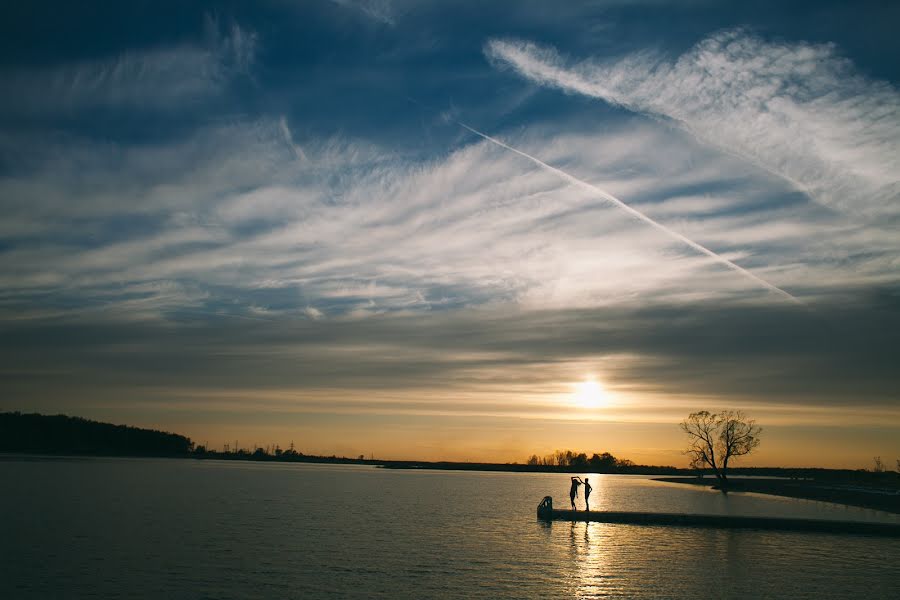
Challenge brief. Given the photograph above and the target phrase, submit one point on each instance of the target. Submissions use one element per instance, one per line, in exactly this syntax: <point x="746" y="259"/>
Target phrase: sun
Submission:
<point x="590" y="394"/>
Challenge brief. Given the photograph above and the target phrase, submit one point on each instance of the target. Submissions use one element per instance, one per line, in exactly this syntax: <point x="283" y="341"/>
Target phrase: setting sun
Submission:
<point x="590" y="394"/>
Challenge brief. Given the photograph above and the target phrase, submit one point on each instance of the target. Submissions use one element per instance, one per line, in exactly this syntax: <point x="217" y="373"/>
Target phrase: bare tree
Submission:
<point x="716" y="438"/>
<point x="879" y="465"/>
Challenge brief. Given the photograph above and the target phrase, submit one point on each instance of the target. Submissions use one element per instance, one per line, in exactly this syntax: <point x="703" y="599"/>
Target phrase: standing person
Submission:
<point x="587" y="494"/>
<point x="573" y="491"/>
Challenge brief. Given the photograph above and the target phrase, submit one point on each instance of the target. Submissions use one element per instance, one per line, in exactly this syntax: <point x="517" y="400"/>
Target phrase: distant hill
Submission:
<point x="60" y="434"/>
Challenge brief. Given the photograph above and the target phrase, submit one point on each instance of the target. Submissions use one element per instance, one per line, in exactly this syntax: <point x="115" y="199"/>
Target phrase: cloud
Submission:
<point x="289" y="139"/>
<point x="797" y="110"/>
<point x="378" y="10"/>
<point x="313" y="313"/>
<point x="657" y="361"/>
<point x="639" y="215"/>
<point x="236" y="49"/>
<point x="229" y="213"/>
<point x="160" y="78"/>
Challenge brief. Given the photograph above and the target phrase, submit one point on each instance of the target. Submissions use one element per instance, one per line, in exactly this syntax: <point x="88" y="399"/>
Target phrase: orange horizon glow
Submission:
<point x="491" y="427"/>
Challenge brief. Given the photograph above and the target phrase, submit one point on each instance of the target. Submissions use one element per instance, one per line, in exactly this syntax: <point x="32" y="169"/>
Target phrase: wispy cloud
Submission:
<point x="289" y="139"/>
<point x="379" y="10"/>
<point x="639" y="215"/>
<point x="160" y="78"/>
<point x="795" y="109"/>
<point x="354" y="229"/>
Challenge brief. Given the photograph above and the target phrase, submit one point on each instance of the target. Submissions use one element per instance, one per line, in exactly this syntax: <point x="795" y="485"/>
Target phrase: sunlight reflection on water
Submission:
<point x="109" y="528"/>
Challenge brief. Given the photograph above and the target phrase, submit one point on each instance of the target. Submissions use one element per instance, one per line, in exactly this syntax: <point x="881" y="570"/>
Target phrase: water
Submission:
<point x="123" y="528"/>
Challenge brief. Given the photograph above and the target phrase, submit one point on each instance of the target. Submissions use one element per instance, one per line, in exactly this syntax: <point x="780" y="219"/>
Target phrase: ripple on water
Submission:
<point x="109" y="528"/>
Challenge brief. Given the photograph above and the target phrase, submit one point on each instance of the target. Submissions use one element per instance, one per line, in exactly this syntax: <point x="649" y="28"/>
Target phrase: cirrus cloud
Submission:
<point x="797" y="110"/>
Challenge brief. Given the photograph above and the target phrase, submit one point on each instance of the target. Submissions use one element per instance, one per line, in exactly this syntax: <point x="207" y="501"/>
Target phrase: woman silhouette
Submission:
<point x="573" y="491"/>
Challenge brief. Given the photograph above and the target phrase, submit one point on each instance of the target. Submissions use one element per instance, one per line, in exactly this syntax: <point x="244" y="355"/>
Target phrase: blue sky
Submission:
<point x="266" y="220"/>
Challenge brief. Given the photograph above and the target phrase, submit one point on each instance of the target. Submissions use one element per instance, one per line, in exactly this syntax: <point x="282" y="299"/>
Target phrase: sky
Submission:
<point x="456" y="230"/>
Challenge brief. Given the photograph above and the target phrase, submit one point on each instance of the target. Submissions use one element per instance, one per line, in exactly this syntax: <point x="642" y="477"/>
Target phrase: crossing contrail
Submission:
<point x="637" y="214"/>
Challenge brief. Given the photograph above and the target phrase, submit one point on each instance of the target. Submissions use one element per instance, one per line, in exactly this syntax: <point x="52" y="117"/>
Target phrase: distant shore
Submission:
<point x="838" y="487"/>
<point x="879" y="498"/>
<point x="37" y="435"/>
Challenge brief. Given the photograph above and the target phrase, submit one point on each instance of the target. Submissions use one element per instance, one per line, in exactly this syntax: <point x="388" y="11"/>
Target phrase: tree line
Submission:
<point x="579" y="460"/>
<point x="570" y="461"/>
<point x="60" y="434"/>
<point x="34" y="433"/>
<point x="715" y="439"/>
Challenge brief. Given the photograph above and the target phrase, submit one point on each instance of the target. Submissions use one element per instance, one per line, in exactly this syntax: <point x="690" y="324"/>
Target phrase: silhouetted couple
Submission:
<point x="573" y="491"/>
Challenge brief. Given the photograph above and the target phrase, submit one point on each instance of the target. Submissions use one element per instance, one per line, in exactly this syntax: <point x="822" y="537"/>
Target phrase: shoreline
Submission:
<point x="645" y="470"/>
<point x="883" y="499"/>
<point x="835" y="490"/>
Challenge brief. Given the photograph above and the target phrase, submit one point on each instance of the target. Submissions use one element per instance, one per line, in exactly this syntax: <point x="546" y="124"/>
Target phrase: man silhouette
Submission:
<point x="587" y="494"/>
<point x="573" y="491"/>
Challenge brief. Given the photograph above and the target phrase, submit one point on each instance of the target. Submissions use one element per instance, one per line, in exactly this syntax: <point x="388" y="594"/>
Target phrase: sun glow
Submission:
<point x="590" y="394"/>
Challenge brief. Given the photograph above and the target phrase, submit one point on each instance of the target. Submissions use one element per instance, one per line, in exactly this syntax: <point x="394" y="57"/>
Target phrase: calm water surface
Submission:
<point x="122" y="528"/>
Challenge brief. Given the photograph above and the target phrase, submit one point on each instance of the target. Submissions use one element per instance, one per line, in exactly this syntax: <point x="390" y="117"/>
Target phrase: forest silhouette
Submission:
<point x="60" y="434"/>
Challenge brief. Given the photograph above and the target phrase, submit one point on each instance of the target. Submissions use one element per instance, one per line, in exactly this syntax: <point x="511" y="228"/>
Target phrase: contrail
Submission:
<point x="637" y="214"/>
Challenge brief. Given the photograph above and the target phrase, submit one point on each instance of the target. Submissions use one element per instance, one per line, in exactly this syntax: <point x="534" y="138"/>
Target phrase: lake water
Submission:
<point x="133" y="528"/>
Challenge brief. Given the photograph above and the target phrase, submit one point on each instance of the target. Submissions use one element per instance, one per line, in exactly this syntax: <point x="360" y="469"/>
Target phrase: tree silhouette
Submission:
<point x="716" y="438"/>
<point x="60" y="434"/>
